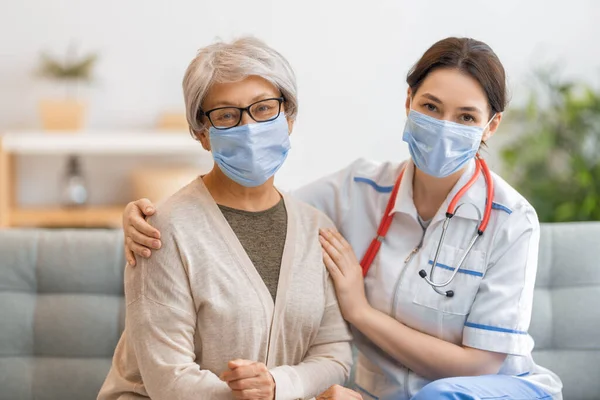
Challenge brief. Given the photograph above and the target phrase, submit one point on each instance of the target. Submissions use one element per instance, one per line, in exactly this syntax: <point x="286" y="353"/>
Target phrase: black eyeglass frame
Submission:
<point x="206" y="114"/>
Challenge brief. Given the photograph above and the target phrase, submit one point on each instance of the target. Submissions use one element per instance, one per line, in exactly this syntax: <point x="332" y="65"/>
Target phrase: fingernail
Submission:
<point x="149" y="209"/>
<point x="156" y="244"/>
<point x="146" y="253"/>
<point x="131" y="263"/>
<point x="157" y="235"/>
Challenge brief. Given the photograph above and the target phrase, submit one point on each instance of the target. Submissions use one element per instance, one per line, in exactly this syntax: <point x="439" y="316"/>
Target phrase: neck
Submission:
<point x="429" y="192"/>
<point x="228" y="193"/>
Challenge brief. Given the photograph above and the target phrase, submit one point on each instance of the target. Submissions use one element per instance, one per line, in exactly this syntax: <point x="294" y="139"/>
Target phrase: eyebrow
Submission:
<point x="471" y="109"/>
<point x="432" y="98"/>
<point x="262" y="96"/>
<point x="436" y="100"/>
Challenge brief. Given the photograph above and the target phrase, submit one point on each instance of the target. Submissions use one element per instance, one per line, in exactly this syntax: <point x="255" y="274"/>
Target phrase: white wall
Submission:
<point x="351" y="59"/>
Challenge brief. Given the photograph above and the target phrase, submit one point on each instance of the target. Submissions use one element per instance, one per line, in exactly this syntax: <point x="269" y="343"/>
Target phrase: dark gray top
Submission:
<point x="262" y="234"/>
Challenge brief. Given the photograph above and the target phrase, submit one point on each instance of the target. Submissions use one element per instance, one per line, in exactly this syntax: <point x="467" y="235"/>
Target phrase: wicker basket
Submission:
<point x="62" y="115"/>
<point x="157" y="184"/>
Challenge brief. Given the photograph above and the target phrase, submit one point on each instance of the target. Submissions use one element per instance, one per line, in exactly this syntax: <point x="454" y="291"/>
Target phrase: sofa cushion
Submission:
<point x="61" y="311"/>
<point x="566" y="318"/>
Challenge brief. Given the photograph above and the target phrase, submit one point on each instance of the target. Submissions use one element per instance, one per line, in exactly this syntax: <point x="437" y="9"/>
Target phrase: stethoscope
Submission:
<point x="386" y="222"/>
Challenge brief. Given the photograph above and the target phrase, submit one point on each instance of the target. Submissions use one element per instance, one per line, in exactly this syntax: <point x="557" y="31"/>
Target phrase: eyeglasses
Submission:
<point x="223" y="118"/>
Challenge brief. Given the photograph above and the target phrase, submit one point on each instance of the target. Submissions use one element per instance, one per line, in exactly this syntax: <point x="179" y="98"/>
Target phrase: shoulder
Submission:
<point x="309" y="217"/>
<point x="372" y="173"/>
<point x="187" y="205"/>
<point x="512" y="203"/>
<point x="516" y="220"/>
<point x="336" y="194"/>
<point x="379" y="176"/>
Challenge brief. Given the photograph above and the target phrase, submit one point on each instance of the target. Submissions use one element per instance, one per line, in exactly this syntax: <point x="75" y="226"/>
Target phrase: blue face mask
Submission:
<point x="440" y="148"/>
<point x="251" y="154"/>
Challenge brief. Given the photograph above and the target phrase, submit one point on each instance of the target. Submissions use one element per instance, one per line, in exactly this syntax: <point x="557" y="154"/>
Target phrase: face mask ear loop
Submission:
<point x="484" y="128"/>
<point x="489" y="122"/>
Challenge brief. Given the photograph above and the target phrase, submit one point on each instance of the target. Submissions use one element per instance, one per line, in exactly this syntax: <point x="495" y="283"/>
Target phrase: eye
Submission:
<point x="264" y="108"/>
<point x="430" y="107"/>
<point x="225" y="116"/>
<point x="468" y="118"/>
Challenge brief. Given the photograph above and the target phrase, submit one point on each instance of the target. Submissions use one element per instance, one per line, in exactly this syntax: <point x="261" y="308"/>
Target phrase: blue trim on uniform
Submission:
<point x="464" y="271"/>
<point x="493" y="328"/>
<point x="365" y="391"/>
<point x="500" y="207"/>
<point x="380" y="189"/>
<point x="524" y="374"/>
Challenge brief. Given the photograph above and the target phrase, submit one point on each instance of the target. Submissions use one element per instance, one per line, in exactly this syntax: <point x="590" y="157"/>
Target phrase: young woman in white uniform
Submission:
<point x="431" y="320"/>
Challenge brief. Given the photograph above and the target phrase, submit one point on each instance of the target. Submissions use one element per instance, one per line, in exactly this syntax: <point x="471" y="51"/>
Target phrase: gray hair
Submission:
<point x="231" y="62"/>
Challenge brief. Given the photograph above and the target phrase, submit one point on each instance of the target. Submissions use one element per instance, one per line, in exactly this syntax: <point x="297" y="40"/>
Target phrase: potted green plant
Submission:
<point x="555" y="159"/>
<point x="68" y="113"/>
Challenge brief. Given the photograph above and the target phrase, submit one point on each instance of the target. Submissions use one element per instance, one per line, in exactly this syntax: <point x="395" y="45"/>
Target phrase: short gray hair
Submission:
<point x="231" y="62"/>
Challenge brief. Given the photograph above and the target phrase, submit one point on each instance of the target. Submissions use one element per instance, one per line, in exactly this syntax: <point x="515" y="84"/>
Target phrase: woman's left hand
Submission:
<point x="346" y="272"/>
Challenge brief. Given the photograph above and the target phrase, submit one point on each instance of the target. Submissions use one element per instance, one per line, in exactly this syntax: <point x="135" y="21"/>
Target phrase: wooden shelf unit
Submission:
<point x="80" y="217"/>
<point x="80" y="143"/>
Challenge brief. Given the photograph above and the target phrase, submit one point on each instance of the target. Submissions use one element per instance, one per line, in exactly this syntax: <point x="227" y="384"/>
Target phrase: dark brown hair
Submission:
<point x="469" y="56"/>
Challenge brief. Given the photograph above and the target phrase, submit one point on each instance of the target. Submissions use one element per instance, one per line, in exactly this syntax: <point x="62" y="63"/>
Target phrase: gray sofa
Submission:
<point x="61" y="310"/>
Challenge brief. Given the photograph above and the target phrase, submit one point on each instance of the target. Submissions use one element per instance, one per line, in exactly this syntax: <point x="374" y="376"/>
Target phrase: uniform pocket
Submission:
<point x="464" y="285"/>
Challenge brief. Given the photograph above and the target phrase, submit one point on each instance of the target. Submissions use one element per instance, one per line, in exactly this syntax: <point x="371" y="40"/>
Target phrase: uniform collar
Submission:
<point x="476" y="195"/>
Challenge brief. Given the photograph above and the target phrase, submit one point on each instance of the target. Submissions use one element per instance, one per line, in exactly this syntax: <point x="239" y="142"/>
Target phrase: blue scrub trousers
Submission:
<point x="486" y="387"/>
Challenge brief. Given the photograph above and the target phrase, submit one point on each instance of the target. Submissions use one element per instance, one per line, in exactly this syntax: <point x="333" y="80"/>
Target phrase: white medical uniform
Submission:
<point x="493" y="291"/>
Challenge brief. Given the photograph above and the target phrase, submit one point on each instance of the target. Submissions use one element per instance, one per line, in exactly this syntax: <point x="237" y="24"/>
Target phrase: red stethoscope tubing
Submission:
<point x="386" y="221"/>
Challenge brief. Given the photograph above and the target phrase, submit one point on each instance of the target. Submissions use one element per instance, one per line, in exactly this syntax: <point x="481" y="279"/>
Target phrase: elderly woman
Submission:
<point x="237" y="303"/>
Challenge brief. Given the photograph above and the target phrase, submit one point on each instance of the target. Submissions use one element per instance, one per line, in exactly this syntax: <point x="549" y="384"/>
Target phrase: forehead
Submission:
<point x="240" y="93"/>
<point x="454" y="88"/>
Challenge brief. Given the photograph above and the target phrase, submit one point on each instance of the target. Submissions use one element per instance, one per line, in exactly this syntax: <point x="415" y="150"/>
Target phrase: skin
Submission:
<point x="450" y="95"/>
<point x="141" y="237"/>
<point x="247" y="379"/>
<point x="445" y="94"/>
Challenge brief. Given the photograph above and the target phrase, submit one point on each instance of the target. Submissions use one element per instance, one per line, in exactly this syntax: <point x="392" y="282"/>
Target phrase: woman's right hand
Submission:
<point x="140" y="236"/>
